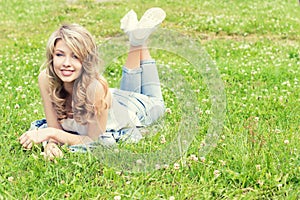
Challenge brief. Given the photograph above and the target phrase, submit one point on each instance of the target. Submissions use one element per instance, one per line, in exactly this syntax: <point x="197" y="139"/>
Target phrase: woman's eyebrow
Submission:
<point x="59" y="50"/>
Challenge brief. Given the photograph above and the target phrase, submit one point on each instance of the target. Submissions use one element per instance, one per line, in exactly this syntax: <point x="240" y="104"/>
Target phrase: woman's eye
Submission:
<point x="75" y="57"/>
<point x="59" y="54"/>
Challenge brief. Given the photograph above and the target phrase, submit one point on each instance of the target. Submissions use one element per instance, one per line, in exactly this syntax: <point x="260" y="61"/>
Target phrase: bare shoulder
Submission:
<point x="97" y="91"/>
<point x="95" y="88"/>
<point x="43" y="75"/>
<point x="43" y="79"/>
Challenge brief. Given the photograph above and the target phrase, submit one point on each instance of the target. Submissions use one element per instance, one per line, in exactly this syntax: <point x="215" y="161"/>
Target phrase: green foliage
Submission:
<point x="255" y="45"/>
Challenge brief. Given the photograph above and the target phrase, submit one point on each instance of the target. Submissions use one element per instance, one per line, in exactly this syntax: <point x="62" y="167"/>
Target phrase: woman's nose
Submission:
<point x="67" y="61"/>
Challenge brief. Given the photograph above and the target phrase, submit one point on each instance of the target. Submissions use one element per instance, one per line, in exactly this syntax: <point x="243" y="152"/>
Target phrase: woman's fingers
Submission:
<point x="57" y="152"/>
<point x="52" y="151"/>
<point x="23" y="139"/>
<point x="48" y="154"/>
<point x="29" y="146"/>
<point x="22" y="136"/>
<point x="26" y="143"/>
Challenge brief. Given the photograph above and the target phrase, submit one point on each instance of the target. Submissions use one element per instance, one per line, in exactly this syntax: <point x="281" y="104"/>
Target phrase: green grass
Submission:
<point x="255" y="45"/>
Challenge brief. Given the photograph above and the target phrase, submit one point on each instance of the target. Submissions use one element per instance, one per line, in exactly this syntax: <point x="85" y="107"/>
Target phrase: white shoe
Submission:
<point x="148" y="23"/>
<point x="129" y="21"/>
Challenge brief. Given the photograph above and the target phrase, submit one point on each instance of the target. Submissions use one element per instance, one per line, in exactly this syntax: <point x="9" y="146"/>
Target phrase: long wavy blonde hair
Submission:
<point x="81" y="42"/>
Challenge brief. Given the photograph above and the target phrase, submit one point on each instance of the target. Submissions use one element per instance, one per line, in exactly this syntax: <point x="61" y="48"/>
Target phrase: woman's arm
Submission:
<point x="96" y="125"/>
<point x="28" y="137"/>
<point x="102" y="102"/>
<point x="48" y="107"/>
<point x="95" y="92"/>
<point x="53" y="135"/>
<point x="54" y="132"/>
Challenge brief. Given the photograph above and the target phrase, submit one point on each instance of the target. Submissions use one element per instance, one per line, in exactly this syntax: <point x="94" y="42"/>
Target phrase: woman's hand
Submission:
<point x="29" y="138"/>
<point x="52" y="151"/>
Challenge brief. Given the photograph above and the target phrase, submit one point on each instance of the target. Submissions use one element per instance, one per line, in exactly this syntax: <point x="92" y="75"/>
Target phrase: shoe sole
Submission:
<point x="151" y="18"/>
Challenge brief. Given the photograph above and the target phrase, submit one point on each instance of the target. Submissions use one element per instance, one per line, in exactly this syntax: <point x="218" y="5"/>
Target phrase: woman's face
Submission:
<point x="66" y="64"/>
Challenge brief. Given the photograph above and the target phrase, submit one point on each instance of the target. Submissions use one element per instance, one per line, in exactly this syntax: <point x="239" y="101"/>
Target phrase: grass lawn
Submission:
<point x="254" y="45"/>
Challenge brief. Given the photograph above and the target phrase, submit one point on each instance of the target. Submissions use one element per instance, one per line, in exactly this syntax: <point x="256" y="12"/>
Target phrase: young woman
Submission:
<point x="79" y="106"/>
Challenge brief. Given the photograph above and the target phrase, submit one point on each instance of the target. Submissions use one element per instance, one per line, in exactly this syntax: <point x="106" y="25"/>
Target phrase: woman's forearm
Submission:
<point x="64" y="137"/>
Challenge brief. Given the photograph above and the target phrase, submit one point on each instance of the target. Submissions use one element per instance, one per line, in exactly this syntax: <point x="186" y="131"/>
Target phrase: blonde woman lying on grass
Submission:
<point x="79" y="106"/>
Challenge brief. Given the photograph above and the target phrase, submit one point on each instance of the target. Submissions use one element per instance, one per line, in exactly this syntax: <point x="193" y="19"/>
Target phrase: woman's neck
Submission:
<point x="69" y="87"/>
<point x="68" y="102"/>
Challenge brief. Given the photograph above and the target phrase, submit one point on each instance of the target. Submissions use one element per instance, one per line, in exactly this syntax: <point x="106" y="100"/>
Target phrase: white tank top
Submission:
<point x="119" y="117"/>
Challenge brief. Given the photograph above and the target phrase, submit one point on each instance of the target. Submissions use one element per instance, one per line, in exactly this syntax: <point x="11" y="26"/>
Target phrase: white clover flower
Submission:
<point x="202" y="144"/>
<point x="217" y="173"/>
<point x="166" y="166"/>
<point x="194" y="157"/>
<point x="139" y="162"/>
<point x="168" y="110"/>
<point x="118" y="173"/>
<point x="200" y="112"/>
<point x="223" y="163"/>
<point x="117" y="198"/>
<point x="253" y="72"/>
<point x="176" y="166"/>
<point x="157" y="167"/>
<point x="279" y="185"/>
<point x="205" y="100"/>
<point x="260" y="182"/>
<point x="280" y="99"/>
<point x="163" y="140"/>
<point x="10" y="179"/>
<point x="258" y="167"/>
<point x="202" y="159"/>
<point x="277" y="130"/>
<point x="20" y="88"/>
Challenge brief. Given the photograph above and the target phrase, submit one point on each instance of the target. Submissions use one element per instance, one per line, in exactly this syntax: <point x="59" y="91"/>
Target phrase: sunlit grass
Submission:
<point x="255" y="46"/>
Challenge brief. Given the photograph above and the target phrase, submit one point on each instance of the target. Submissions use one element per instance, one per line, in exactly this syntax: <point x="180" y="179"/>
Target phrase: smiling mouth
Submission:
<point x="67" y="72"/>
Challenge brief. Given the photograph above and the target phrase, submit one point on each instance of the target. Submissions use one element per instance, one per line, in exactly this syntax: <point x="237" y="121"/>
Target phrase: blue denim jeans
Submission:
<point x="140" y="92"/>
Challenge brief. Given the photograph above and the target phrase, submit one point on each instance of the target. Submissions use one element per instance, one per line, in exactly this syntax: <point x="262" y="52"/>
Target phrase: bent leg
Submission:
<point x="131" y="72"/>
<point x="140" y="73"/>
<point x="143" y="82"/>
<point x="150" y="79"/>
